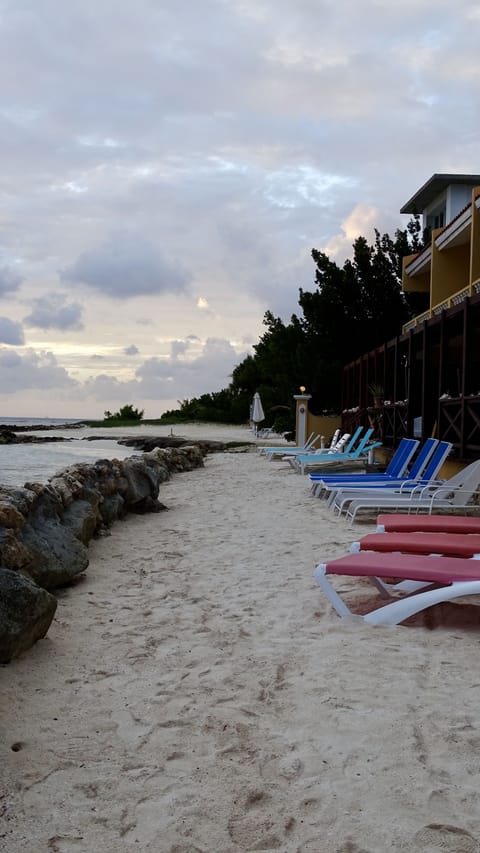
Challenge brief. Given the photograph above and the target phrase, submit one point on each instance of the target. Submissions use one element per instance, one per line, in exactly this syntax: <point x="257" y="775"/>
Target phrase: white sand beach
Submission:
<point x="196" y="693"/>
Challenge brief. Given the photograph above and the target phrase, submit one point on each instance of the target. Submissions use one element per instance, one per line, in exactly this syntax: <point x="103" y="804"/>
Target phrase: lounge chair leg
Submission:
<point x="398" y="611"/>
<point x="333" y="597"/>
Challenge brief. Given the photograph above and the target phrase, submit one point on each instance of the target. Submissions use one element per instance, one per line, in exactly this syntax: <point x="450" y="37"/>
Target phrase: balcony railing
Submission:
<point x="416" y="321"/>
<point x="455" y="299"/>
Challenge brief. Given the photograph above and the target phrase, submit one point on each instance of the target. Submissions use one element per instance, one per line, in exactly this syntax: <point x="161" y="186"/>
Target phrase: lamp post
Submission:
<point x="301" y="419"/>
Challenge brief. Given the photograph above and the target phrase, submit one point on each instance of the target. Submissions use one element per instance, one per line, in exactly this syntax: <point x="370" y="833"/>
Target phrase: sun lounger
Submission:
<point x="341" y="446"/>
<point x="293" y="452"/>
<point x="403" y="523"/>
<point x="448" y="544"/>
<point x="451" y="577"/>
<point x="397" y="467"/>
<point x="271" y="452"/>
<point x="457" y="493"/>
<point x="424" y="469"/>
<point x="349" y="456"/>
<point x="339" y="497"/>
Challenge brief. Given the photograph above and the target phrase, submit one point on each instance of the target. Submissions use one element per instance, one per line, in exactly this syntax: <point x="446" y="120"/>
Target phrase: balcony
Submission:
<point x="456" y="299"/>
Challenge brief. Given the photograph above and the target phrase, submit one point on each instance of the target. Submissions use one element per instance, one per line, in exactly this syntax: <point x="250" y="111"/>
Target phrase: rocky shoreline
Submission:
<point x="145" y="443"/>
<point x="39" y="427"/>
<point x="45" y="529"/>
<point x="9" y="437"/>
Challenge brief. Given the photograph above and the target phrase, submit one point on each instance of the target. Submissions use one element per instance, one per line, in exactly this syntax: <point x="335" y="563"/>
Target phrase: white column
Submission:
<point x="302" y="417"/>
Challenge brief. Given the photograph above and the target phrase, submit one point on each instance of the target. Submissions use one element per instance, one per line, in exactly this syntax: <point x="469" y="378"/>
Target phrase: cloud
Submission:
<point x="126" y="265"/>
<point x="131" y="350"/>
<point x="361" y="221"/>
<point x="172" y="377"/>
<point x="19" y="372"/>
<point x="52" y="311"/>
<point x="179" y="348"/>
<point x="10" y="281"/>
<point x="209" y="371"/>
<point x="179" y="174"/>
<point x="11" y="332"/>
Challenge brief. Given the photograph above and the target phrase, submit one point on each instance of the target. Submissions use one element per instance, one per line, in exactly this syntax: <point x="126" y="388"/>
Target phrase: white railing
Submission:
<point x="460" y="296"/>
<point x="455" y="299"/>
<point x="416" y="321"/>
<point x="442" y="306"/>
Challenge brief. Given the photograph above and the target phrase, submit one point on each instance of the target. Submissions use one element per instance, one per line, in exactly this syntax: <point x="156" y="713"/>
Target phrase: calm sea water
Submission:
<point x="21" y="463"/>
<point x="36" y="463"/>
<point x="38" y="421"/>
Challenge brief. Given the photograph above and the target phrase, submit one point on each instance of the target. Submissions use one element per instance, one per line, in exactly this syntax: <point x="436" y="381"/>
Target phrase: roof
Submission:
<point x="433" y="187"/>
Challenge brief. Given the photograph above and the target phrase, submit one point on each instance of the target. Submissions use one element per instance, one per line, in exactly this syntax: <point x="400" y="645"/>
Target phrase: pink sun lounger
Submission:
<point x="448" y="544"/>
<point x="423" y="581"/>
<point x="406" y="523"/>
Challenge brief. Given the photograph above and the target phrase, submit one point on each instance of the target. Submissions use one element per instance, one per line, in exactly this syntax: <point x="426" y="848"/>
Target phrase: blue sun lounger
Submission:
<point x="396" y="468"/>
<point x="340" y="497"/>
<point x="301" y="463"/>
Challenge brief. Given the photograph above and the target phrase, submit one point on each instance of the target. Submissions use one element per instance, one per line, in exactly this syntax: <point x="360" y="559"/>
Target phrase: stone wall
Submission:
<point x="45" y="531"/>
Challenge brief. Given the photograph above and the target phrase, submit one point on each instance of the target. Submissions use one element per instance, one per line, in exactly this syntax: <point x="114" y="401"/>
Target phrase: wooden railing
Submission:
<point x="460" y="417"/>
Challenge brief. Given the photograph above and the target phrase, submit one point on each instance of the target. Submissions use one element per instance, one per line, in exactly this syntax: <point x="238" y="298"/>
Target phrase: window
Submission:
<point x="437" y="217"/>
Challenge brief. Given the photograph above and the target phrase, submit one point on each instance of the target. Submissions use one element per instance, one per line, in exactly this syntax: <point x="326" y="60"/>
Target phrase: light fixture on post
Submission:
<point x="301" y="415"/>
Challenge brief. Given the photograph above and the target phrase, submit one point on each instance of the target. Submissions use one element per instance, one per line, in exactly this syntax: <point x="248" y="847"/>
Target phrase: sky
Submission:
<point x="169" y="165"/>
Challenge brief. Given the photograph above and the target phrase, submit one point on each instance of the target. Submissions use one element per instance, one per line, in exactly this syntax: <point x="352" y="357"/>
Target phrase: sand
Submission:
<point x="196" y="692"/>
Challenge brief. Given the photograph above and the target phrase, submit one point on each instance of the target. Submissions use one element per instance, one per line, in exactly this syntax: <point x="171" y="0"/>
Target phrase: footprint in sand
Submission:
<point x="255" y="825"/>
<point x="449" y="839"/>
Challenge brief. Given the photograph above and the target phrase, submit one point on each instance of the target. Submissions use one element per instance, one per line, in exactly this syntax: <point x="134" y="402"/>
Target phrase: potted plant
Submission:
<point x="377" y="392"/>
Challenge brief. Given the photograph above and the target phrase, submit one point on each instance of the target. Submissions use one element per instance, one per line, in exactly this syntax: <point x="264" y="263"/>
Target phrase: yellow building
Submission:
<point x="448" y="269"/>
<point x="430" y="373"/>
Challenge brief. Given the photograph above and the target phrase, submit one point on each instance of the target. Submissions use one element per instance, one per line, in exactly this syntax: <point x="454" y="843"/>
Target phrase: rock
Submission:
<point x="82" y="520"/>
<point x="21" y="499"/>
<point x="10" y="516"/>
<point x="149" y="443"/>
<point x="45" y="529"/>
<point x="7" y="437"/>
<point x="111" y="508"/>
<point x="56" y="555"/>
<point x="26" y="612"/>
<point x="13" y="553"/>
<point x="142" y="482"/>
<point x="10" y="437"/>
<point x="182" y="459"/>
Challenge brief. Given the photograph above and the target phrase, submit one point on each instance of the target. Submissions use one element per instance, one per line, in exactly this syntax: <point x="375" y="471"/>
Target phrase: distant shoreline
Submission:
<point x="40" y="427"/>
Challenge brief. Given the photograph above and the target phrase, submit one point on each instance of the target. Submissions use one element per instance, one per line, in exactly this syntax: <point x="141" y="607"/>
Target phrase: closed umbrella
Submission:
<point x="257" y="410"/>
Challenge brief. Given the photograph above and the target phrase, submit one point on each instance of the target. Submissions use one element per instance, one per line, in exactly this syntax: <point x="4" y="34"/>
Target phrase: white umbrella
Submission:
<point x="257" y="410"/>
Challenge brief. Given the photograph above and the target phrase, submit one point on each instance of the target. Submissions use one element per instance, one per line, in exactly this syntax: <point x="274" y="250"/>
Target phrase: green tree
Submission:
<point x="126" y="413"/>
<point x="352" y="309"/>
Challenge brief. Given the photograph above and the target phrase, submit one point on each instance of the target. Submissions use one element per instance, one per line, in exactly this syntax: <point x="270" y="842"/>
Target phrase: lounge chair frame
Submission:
<point x="427" y="581"/>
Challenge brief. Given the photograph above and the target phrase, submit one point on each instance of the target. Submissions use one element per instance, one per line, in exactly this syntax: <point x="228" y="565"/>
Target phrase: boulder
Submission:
<point x="82" y="520"/>
<point x="14" y="554"/>
<point x="45" y="530"/>
<point x="55" y="553"/>
<point x="112" y="508"/>
<point x="143" y="482"/>
<point x="26" y="612"/>
<point x="182" y="459"/>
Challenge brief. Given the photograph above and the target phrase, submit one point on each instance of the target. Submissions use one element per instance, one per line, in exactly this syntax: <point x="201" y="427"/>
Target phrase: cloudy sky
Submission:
<point x="168" y="166"/>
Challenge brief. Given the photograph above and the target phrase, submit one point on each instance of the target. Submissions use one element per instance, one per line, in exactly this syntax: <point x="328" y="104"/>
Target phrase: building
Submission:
<point x="429" y="376"/>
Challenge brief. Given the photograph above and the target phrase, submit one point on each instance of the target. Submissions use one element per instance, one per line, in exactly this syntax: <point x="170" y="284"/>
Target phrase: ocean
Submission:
<point x="48" y="422"/>
<point x="37" y="463"/>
